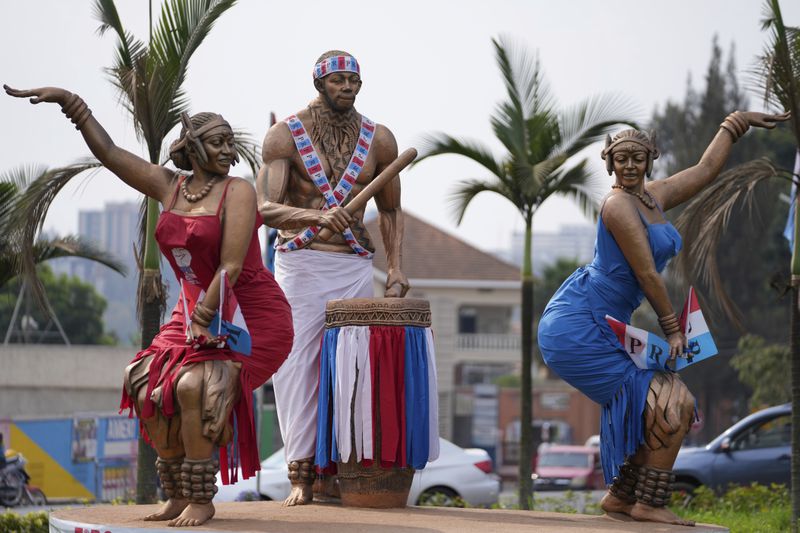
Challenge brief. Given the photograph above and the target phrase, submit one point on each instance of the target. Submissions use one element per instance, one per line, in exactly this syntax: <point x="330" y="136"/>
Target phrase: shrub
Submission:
<point x="29" y="523"/>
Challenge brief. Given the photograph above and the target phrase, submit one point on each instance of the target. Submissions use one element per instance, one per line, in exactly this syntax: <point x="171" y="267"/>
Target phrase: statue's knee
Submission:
<point x="687" y="402"/>
<point x="188" y="387"/>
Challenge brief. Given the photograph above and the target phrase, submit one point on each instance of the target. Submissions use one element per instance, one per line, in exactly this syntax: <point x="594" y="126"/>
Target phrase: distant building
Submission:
<point x="113" y="229"/>
<point x="571" y="241"/>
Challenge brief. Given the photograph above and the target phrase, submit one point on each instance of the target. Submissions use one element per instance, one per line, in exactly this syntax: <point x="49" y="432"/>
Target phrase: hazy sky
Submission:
<point x="426" y="65"/>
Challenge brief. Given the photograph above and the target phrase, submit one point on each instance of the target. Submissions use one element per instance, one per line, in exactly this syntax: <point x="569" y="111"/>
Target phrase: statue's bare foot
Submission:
<point x="300" y="495"/>
<point x="171" y="508"/>
<point x="612" y="504"/>
<point x="647" y="513"/>
<point x="195" y="514"/>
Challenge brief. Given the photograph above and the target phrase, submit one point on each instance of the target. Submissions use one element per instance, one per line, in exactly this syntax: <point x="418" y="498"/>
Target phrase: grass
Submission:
<point x="752" y="509"/>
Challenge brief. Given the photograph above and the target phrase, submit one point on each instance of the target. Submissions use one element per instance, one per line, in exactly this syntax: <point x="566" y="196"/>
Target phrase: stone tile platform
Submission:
<point x="270" y="517"/>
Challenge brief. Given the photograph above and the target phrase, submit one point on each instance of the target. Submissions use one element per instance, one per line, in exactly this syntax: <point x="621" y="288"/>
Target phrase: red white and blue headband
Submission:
<point x="336" y="64"/>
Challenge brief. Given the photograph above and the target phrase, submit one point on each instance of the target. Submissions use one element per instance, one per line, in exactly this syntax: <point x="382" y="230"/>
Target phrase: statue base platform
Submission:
<point x="271" y="517"/>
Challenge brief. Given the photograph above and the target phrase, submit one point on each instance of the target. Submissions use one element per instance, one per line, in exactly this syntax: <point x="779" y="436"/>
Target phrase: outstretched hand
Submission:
<point x="42" y="94"/>
<point x="765" y="120"/>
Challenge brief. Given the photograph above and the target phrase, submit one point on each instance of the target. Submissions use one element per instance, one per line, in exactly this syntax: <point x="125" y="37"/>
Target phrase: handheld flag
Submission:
<point x="231" y="328"/>
<point x="649" y="351"/>
<point x="230" y="325"/>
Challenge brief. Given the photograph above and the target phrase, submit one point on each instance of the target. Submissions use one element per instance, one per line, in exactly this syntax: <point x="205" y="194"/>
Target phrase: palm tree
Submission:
<point x="21" y="245"/>
<point x="778" y="75"/>
<point x="541" y="144"/>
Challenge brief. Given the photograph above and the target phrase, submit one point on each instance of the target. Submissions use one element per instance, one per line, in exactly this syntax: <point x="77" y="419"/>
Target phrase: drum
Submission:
<point x="378" y="401"/>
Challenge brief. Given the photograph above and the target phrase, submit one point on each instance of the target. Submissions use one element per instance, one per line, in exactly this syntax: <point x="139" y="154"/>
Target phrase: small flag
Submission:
<point x="231" y="324"/>
<point x="649" y="351"/>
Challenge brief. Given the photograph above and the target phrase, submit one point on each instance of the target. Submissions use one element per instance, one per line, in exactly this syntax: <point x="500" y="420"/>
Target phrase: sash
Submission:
<point x="333" y="197"/>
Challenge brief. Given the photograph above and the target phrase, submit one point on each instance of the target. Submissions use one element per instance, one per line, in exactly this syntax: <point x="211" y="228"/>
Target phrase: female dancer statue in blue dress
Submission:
<point x="645" y="413"/>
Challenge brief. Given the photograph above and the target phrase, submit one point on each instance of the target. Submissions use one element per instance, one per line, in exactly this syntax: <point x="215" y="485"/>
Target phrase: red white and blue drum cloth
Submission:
<point x="372" y="375"/>
<point x="333" y="197"/>
<point x="336" y="64"/>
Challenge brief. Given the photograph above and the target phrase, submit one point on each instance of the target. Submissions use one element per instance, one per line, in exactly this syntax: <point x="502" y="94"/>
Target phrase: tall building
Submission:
<point x="114" y="230"/>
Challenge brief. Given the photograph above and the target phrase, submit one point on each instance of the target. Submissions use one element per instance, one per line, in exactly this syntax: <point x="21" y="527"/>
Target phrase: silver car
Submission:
<point x="458" y="473"/>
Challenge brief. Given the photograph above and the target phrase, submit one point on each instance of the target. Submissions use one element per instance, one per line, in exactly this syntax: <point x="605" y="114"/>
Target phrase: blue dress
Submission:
<point x="577" y="343"/>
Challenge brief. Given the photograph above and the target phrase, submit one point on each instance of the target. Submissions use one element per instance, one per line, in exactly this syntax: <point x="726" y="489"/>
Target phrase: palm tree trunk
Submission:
<point x="526" y="393"/>
<point x="151" y="298"/>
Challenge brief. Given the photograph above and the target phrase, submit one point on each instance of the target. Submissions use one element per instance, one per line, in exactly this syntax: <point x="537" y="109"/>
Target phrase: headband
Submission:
<point x="336" y="64"/>
<point x="611" y="145"/>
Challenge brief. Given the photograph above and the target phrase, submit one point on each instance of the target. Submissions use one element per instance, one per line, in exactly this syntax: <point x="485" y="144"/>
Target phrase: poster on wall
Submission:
<point x="121" y="438"/>
<point x="84" y="440"/>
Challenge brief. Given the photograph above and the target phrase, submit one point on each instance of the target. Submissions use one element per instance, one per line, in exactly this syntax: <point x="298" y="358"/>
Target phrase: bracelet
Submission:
<point x="735" y="124"/>
<point x="669" y="324"/>
<point x="204" y="312"/>
<point x="199" y="320"/>
<point x="76" y="110"/>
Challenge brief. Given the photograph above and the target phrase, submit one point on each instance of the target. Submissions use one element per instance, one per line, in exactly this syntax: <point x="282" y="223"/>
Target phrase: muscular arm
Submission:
<point x="390" y="214"/>
<point x="273" y="184"/>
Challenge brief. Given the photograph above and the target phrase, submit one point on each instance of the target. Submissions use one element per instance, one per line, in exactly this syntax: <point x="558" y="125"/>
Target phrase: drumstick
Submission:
<point x="374" y="187"/>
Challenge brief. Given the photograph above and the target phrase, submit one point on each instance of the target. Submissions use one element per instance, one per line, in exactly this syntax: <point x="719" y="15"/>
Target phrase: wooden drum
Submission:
<point x="378" y="402"/>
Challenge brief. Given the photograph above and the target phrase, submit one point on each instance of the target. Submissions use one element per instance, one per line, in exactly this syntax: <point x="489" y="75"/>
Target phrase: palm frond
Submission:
<point x="703" y="223"/>
<point x="523" y="76"/>
<point x="74" y="246"/>
<point x="592" y="119"/>
<point x="30" y="211"/>
<point x="181" y="29"/>
<point x="441" y="143"/>
<point x="105" y="11"/>
<point x="585" y="187"/>
<point x="467" y="190"/>
<point x="777" y="72"/>
<point x="528" y="96"/>
<point x="249" y="150"/>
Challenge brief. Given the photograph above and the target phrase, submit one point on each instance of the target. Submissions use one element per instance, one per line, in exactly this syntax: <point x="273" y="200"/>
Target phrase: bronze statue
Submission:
<point x="186" y="384"/>
<point x="314" y="163"/>
<point x="645" y="413"/>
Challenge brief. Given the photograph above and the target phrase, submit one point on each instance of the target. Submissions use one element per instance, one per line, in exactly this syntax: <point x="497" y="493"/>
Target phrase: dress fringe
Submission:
<point x="622" y="423"/>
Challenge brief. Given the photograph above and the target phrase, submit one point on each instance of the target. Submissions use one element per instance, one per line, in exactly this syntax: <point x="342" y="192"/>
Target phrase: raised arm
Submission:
<point x="623" y="221"/>
<point x="682" y="186"/>
<point x="145" y="177"/>
<point x="390" y="215"/>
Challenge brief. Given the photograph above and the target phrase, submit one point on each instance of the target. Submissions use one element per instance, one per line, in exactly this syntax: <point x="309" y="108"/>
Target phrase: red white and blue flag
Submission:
<point x="649" y="351"/>
<point x="228" y="323"/>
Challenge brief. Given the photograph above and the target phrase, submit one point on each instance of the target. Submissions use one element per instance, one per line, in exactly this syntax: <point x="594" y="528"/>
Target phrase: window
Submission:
<point x="773" y="433"/>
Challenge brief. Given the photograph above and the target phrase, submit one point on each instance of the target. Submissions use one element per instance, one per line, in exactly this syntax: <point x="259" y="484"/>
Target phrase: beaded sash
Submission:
<point x="333" y="197"/>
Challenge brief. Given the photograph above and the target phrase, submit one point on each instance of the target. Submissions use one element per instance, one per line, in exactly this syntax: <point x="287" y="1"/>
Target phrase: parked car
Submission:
<point x="755" y="449"/>
<point x="465" y="473"/>
<point x="561" y="467"/>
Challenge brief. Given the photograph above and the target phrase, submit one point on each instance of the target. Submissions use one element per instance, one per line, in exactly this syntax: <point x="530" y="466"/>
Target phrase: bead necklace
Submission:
<point x="649" y="202"/>
<point x="200" y="195"/>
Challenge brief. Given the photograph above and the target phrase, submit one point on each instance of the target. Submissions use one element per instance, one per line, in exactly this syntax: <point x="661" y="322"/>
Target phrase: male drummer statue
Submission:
<point x="314" y="163"/>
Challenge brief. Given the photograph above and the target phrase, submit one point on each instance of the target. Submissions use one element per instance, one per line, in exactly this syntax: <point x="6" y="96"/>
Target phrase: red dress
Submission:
<point x="192" y="245"/>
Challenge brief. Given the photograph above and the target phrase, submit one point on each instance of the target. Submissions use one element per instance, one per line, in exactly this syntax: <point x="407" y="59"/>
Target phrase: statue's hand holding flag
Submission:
<point x="649" y="351"/>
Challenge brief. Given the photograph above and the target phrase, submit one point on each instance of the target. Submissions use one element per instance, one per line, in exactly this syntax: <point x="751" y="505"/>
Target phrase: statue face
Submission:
<point x="220" y="150"/>
<point x="630" y="163"/>
<point x="340" y="89"/>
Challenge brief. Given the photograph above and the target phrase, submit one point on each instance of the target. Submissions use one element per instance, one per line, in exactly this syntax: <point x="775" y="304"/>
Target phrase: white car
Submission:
<point x="464" y="473"/>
